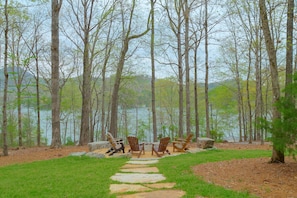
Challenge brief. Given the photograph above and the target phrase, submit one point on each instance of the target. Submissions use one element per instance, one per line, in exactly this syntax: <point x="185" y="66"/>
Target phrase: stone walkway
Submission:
<point x="141" y="179"/>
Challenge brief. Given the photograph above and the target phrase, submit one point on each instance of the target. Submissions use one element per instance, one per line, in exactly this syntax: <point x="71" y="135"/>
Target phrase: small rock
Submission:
<point x="96" y="155"/>
<point x="205" y="143"/>
<point x="156" y="194"/>
<point x="137" y="177"/>
<point x="123" y="188"/>
<point x="141" y="170"/>
<point x="143" y="162"/>
<point x="77" y="154"/>
<point x="98" y="145"/>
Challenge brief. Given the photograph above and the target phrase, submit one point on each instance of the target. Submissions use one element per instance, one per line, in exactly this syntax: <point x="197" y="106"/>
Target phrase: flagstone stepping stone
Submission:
<point x="160" y="185"/>
<point x="122" y="188"/>
<point x="143" y="162"/>
<point x="126" y="166"/>
<point x="137" y="177"/>
<point x="144" y="159"/>
<point x="78" y="154"/>
<point x="156" y="194"/>
<point x="96" y="155"/>
<point x="141" y="170"/>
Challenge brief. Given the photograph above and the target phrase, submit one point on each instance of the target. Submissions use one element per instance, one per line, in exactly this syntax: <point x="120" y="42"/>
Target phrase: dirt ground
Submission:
<point x="255" y="176"/>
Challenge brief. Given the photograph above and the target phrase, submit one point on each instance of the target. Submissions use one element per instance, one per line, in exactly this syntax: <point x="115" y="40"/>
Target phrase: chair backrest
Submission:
<point x="189" y="138"/>
<point x="111" y="140"/>
<point x="163" y="144"/>
<point x="114" y="143"/>
<point x="133" y="142"/>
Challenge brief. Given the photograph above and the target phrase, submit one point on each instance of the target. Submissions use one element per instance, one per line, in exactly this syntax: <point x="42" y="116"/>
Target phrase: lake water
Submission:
<point x="70" y="127"/>
<point x="138" y="120"/>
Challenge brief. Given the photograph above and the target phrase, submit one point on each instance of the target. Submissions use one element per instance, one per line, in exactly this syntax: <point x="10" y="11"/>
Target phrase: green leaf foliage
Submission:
<point x="284" y="129"/>
<point x="71" y="96"/>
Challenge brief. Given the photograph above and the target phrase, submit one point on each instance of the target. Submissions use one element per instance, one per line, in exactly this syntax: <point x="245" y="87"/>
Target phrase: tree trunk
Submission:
<point x="103" y="89"/>
<point x="115" y="94"/>
<point x="177" y="29"/>
<point x="206" y="73"/>
<point x="186" y="12"/>
<point x="196" y="91"/>
<point x="19" y="107"/>
<point x="259" y="97"/>
<point x="120" y="66"/>
<point x="86" y="94"/>
<point x="277" y="155"/>
<point x="180" y="82"/>
<point x="86" y="133"/>
<point x="153" y="71"/>
<point x="250" y="117"/>
<point x="289" y="49"/>
<point x="55" y="87"/>
<point x="37" y="99"/>
<point x="4" y="104"/>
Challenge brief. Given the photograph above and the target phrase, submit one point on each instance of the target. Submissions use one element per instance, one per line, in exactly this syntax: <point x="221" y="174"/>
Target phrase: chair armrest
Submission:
<point x="178" y="142"/>
<point x="142" y="144"/>
<point x="118" y="139"/>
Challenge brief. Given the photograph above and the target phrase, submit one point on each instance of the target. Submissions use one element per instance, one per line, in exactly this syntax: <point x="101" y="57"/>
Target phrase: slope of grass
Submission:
<point x="89" y="177"/>
<point x="65" y="177"/>
<point x="178" y="169"/>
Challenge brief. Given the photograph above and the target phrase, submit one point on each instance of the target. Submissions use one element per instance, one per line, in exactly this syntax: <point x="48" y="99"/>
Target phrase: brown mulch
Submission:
<point x="23" y="155"/>
<point x="255" y="176"/>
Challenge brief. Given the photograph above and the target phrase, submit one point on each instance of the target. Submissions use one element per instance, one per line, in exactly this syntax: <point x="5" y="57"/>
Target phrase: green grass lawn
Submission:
<point x="90" y="177"/>
<point x="64" y="177"/>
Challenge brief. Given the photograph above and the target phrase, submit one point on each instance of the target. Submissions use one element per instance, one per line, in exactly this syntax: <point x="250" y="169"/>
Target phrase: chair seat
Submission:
<point x="135" y="146"/>
<point x="155" y="146"/>
<point x="139" y="147"/>
<point x="178" y="145"/>
<point x="181" y="145"/>
<point x="161" y="147"/>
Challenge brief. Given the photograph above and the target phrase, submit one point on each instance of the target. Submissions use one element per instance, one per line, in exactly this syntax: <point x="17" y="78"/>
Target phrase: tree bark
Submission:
<point x="180" y="80"/>
<point x="277" y="155"/>
<point x="103" y="88"/>
<point x="55" y="87"/>
<point x="120" y="66"/>
<point x="86" y="93"/>
<point x="115" y="94"/>
<point x="186" y="12"/>
<point x="4" y="105"/>
<point x="289" y="49"/>
<point x="197" y="132"/>
<point x="37" y="98"/>
<point x="249" y="111"/>
<point x="207" y="128"/>
<point x="259" y="97"/>
<point x="153" y="70"/>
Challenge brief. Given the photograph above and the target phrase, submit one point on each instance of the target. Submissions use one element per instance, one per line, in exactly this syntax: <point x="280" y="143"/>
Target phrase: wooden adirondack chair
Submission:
<point x="181" y="145"/>
<point x="135" y="146"/>
<point x="161" y="147"/>
<point x="116" y="144"/>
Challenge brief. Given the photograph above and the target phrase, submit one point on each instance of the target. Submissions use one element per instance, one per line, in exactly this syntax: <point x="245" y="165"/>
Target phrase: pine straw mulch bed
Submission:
<point x="256" y="176"/>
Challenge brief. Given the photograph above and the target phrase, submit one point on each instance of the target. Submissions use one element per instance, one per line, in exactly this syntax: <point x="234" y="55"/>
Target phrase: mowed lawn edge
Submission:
<point x="90" y="177"/>
<point x="178" y="169"/>
<point x="64" y="177"/>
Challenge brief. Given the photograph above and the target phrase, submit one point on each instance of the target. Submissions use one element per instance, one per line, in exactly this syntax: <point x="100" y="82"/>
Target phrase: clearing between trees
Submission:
<point x="256" y="176"/>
